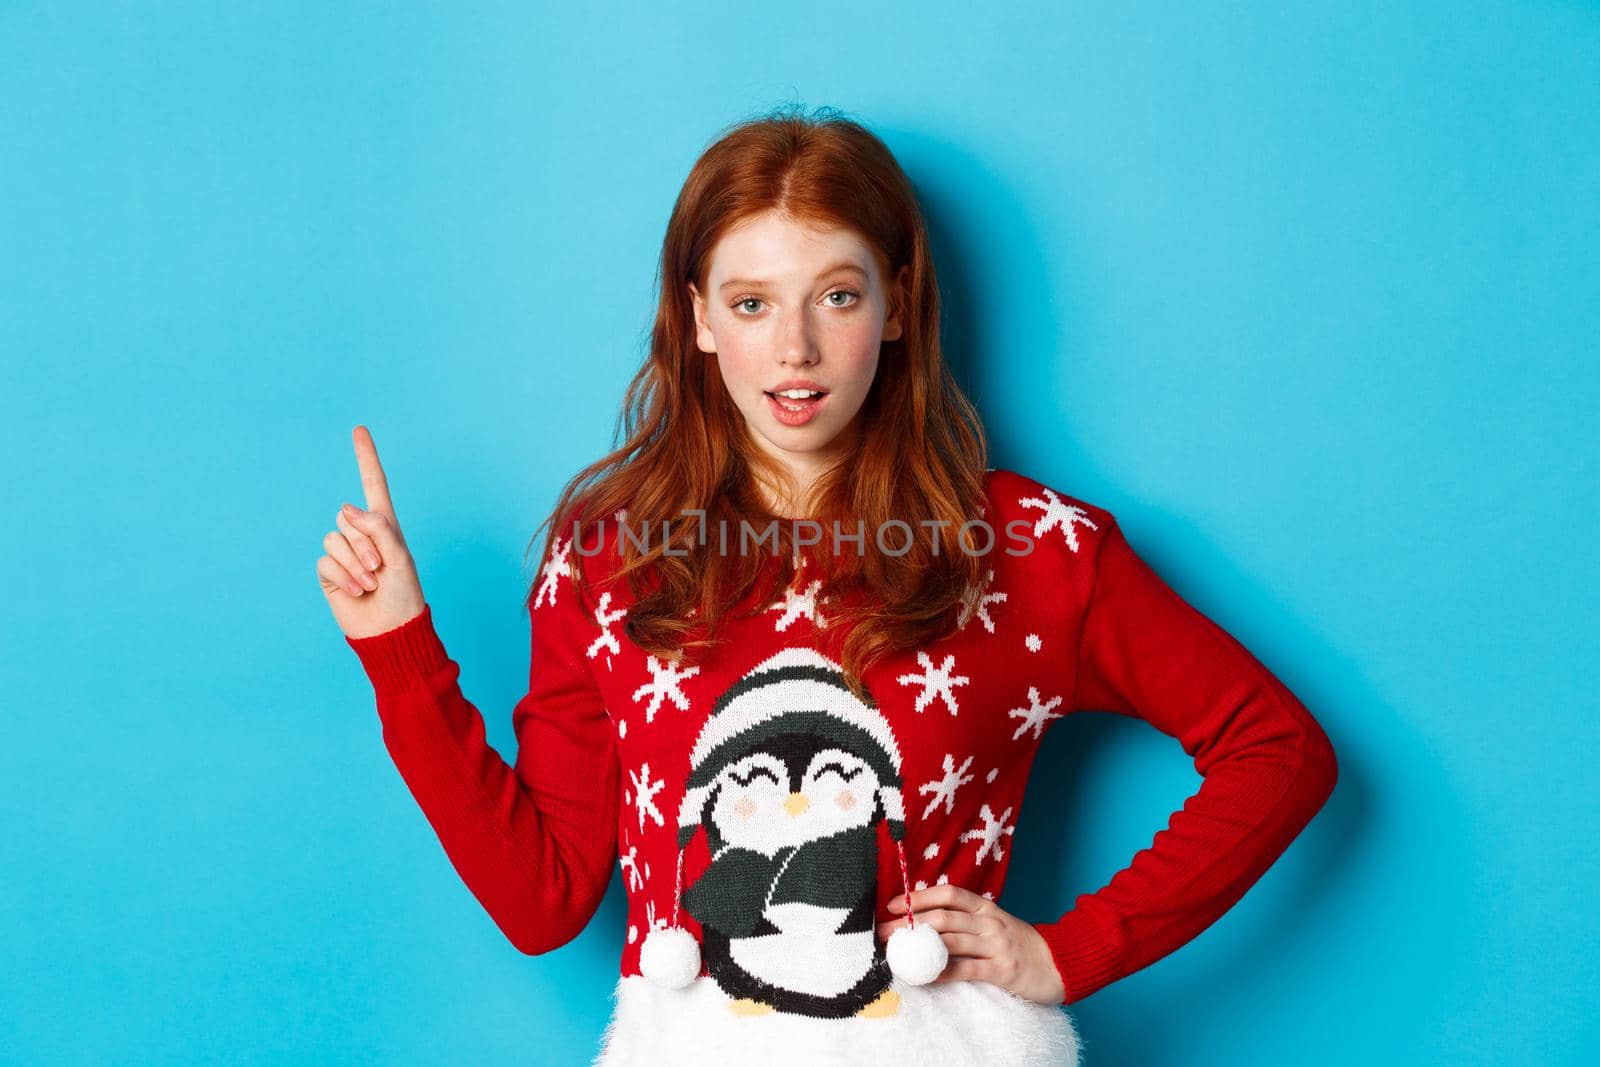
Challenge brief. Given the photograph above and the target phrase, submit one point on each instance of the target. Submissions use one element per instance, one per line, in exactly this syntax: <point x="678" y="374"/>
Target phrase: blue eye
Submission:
<point x="743" y="300"/>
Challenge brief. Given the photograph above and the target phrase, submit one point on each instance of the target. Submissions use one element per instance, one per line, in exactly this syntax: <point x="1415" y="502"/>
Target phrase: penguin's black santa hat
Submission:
<point x="814" y="686"/>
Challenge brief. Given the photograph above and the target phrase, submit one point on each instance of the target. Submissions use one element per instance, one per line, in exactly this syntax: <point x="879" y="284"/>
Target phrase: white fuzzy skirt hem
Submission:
<point x="953" y="1024"/>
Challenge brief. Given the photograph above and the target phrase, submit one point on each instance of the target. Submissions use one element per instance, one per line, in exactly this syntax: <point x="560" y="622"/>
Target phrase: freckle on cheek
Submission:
<point x="845" y="800"/>
<point x="744" y="807"/>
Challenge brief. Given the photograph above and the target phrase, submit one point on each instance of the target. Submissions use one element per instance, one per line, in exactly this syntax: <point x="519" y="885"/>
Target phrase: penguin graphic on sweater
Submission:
<point x="789" y="778"/>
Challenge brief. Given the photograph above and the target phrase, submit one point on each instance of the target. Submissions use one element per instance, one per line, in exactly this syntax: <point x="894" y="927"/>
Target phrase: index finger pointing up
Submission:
<point x="373" y="483"/>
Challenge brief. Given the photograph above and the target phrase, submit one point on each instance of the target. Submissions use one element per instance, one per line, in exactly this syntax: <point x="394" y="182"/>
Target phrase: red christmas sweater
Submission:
<point x="655" y="766"/>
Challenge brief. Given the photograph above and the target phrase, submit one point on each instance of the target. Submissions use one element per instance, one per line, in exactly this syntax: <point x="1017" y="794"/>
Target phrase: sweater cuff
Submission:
<point x="406" y="656"/>
<point x="1086" y="957"/>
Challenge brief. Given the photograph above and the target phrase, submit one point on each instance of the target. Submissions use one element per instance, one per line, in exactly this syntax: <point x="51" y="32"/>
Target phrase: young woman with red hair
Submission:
<point x="794" y="647"/>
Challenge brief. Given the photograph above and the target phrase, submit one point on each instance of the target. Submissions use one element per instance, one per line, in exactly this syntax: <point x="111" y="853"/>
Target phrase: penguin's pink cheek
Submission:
<point x="744" y="807"/>
<point x="846" y="800"/>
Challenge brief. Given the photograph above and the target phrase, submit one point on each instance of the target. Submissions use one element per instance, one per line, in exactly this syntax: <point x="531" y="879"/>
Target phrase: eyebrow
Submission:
<point x="842" y="265"/>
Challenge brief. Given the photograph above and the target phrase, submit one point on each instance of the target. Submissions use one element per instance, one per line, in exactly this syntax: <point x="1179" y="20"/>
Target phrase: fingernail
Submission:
<point x="368" y="580"/>
<point x="370" y="560"/>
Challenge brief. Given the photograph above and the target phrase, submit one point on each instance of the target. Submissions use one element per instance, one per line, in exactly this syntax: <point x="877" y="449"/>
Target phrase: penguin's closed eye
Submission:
<point x="846" y="767"/>
<point x="755" y="772"/>
<point x="839" y="769"/>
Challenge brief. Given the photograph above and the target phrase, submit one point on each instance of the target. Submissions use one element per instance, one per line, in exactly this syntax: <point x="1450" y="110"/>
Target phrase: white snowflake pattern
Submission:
<point x="1033" y="642"/>
<point x="796" y="603"/>
<point x="554" y="568"/>
<point x="944" y="789"/>
<point x="665" y="676"/>
<point x="990" y="832"/>
<point x="922" y="883"/>
<point x="1058" y="515"/>
<point x="979" y="605"/>
<point x="936" y="681"/>
<point x="931" y="851"/>
<point x="1036" y="716"/>
<point x="630" y="865"/>
<point x="644" y="795"/>
<point x="604" y="616"/>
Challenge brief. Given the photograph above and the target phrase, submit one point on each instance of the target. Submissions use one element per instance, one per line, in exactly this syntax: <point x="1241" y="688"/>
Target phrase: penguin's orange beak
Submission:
<point x="796" y="804"/>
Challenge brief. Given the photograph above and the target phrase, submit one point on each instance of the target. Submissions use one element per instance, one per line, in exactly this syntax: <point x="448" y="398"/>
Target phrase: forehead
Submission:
<point x="773" y="247"/>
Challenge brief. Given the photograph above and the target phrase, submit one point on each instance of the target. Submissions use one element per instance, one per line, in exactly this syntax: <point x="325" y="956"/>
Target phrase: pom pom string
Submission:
<point x="911" y="916"/>
<point x="677" y="888"/>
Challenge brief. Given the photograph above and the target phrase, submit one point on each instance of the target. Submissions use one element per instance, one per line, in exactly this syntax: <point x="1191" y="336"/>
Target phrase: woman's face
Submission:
<point x="787" y="305"/>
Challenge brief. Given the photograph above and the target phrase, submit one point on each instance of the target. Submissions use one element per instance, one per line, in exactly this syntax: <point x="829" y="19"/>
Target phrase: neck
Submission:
<point x="803" y="470"/>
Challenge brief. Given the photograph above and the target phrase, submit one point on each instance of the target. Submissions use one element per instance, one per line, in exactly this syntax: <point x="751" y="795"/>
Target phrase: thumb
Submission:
<point x="384" y="531"/>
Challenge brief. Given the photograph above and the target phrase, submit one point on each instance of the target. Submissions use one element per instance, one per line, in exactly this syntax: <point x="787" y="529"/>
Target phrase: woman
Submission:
<point x="808" y="756"/>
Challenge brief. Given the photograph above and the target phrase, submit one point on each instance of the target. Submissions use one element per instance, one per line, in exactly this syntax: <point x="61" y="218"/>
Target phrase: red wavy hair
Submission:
<point x="922" y="452"/>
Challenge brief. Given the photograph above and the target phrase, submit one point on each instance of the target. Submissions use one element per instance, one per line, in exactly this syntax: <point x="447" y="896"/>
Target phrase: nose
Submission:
<point x="796" y="348"/>
<point x="796" y="803"/>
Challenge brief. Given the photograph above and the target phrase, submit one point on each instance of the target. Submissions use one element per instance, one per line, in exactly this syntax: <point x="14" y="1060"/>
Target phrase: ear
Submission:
<point x="702" y="332"/>
<point x="899" y="297"/>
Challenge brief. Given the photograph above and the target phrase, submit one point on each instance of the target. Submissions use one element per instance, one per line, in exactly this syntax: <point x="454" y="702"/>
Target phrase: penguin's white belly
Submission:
<point x="807" y="957"/>
<point x="798" y="917"/>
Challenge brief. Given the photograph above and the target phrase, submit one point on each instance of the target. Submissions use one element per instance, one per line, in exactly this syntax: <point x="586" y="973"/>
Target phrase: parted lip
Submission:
<point x="797" y="383"/>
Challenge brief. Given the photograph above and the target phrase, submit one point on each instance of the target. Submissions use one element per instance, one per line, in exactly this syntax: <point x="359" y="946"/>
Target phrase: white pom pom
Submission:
<point x="917" y="954"/>
<point x="670" y="956"/>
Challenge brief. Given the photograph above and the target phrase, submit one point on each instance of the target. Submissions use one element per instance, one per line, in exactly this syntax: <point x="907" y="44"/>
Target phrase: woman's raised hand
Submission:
<point x="368" y="575"/>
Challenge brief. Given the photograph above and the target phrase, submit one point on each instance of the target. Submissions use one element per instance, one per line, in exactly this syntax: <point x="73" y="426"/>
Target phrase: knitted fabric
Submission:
<point x="749" y="799"/>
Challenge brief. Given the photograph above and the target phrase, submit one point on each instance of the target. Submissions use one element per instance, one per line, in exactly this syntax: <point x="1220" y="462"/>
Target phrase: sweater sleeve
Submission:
<point x="534" y="842"/>
<point x="1267" y="765"/>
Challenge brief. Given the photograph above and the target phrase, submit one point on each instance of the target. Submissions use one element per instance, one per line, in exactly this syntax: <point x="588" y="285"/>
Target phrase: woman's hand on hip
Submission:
<point x="367" y="573"/>
<point x="986" y="942"/>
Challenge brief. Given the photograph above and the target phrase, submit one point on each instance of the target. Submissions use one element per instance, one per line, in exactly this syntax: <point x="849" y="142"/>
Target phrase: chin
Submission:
<point x="802" y="440"/>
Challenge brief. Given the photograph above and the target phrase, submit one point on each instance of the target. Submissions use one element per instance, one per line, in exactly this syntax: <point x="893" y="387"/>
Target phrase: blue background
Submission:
<point x="1308" y="295"/>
